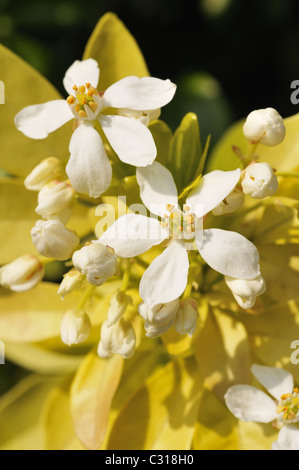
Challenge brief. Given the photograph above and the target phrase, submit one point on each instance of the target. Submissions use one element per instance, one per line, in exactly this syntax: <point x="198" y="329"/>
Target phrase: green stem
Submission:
<point x="85" y="297"/>
<point x="126" y="281"/>
<point x="288" y="174"/>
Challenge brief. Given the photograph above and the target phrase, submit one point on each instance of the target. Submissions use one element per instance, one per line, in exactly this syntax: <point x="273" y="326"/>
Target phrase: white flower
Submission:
<point x="75" y="327"/>
<point x="264" y="126"/>
<point x="118" y="305"/>
<point x="46" y="171"/>
<point x="259" y="180"/>
<point x="231" y="203"/>
<point x="246" y="291"/>
<point x="89" y="169"/>
<point x="22" y="274"/>
<point x="53" y="240"/>
<point x="187" y="316"/>
<point x="166" y="278"/>
<point x="250" y="404"/>
<point x="55" y="201"/>
<point x="95" y="261"/>
<point x="159" y="318"/>
<point x="119" y="338"/>
<point x="71" y="281"/>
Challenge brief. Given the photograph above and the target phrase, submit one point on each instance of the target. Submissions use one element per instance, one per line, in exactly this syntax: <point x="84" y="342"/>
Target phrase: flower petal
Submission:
<point x="166" y="277"/>
<point x="133" y="234"/>
<point x="88" y="168"/>
<point x="250" y="404"/>
<point x="288" y="439"/>
<point x="276" y="381"/>
<point x="229" y="253"/>
<point x="213" y="188"/>
<point x="143" y="94"/>
<point x="130" y="139"/>
<point x="38" y="120"/>
<point x="157" y="188"/>
<point x="81" y="72"/>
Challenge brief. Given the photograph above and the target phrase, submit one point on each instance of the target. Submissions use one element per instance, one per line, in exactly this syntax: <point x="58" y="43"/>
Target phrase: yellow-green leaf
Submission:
<point x="162" y="135"/>
<point x="162" y="414"/>
<point x="92" y="391"/>
<point x="24" y="86"/>
<point x="116" y="51"/>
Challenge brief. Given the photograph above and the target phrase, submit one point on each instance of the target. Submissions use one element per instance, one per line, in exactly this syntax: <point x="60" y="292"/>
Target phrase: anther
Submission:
<point x="71" y="99"/>
<point x="75" y="88"/>
<point x="82" y="114"/>
<point x="93" y="106"/>
<point x="82" y="89"/>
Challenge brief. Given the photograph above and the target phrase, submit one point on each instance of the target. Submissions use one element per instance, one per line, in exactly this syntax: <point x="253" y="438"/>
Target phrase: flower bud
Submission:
<point x="71" y="281"/>
<point x="119" y="338"/>
<point x="96" y="261"/>
<point x="53" y="240"/>
<point x="264" y="126"/>
<point x="75" y="327"/>
<point x="48" y="170"/>
<point x="231" y="203"/>
<point x="55" y="201"/>
<point x="187" y="316"/>
<point x="118" y="305"/>
<point x="160" y="318"/>
<point x="145" y="117"/>
<point x="246" y="291"/>
<point x="259" y="180"/>
<point x="22" y="274"/>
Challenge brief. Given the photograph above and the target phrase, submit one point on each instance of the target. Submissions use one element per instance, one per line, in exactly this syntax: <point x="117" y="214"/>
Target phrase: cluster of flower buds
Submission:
<point x="55" y="200"/>
<point x="244" y="291"/>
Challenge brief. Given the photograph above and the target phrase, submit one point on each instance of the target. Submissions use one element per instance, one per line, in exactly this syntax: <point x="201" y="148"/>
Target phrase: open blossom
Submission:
<point x="264" y="126"/>
<point x="88" y="168"/>
<point x="22" y="274"/>
<point x="248" y="403"/>
<point x="166" y="278"/>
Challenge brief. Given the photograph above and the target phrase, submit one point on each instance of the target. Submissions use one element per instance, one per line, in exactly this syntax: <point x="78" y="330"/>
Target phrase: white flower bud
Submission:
<point x="259" y="180"/>
<point x="119" y="338"/>
<point x="187" y="316"/>
<point x="22" y="274"/>
<point x="118" y="305"/>
<point x="97" y="262"/>
<point x="145" y="117"/>
<point x="53" y="240"/>
<point x="246" y="291"/>
<point x="55" y="201"/>
<point x="264" y="126"/>
<point x="231" y="203"/>
<point x="48" y="170"/>
<point x="75" y="327"/>
<point x="71" y="281"/>
<point x="160" y="318"/>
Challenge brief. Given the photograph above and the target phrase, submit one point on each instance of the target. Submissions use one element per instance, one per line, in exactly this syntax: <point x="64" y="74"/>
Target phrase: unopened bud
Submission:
<point x="259" y="180"/>
<point x="145" y="117"/>
<point x="160" y="318"/>
<point x="97" y="262"/>
<point x="231" y="203"/>
<point x="187" y="316"/>
<point x="47" y="170"/>
<point x="55" y="201"/>
<point x="264" y="126"/>
<point x="71" y="281"/>
<point x="118" y="305"/>
<point x="246" y="291"/>
<point x="53" y="240"/>
<point x="119" y="338"/>
<point x="22" y="274"/>
<point x="75" y="327"/>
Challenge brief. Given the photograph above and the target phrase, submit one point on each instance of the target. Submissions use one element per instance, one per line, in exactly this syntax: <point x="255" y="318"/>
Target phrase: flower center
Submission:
<point x="86" y="104"/>
<point x="181" y="225"/>
<point x="288" y="407"/>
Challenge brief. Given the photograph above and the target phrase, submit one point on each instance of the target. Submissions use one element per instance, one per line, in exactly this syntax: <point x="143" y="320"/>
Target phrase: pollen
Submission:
<point x="285" y="396"/>
<point x="71" y="99"/>
<point x="82" y="114"/>
<point x="86" y="104"/>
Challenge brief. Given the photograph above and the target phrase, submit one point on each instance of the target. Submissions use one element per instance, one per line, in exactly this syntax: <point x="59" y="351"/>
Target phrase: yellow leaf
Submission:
<point x="162" y="414"/>
<point x="222" y="352"/>
<point x="24" y="86"/>
<point x="116" y="51"/>
<point x="92" y="391"/>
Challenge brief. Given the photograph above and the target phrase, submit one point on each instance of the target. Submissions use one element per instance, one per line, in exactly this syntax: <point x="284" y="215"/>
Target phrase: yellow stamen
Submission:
<point x="87" y="85"/>
<point x="71" y="99"/>
<point x="75" y="88"/>
<point x="285" y="396"/>
<point x="82" y="114"/>
<point x="93" y="106"/>
<point x="82" y="89"/>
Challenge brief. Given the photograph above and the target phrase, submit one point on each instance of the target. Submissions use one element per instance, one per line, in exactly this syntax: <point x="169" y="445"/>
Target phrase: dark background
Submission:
<point x="228" y="57"/>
